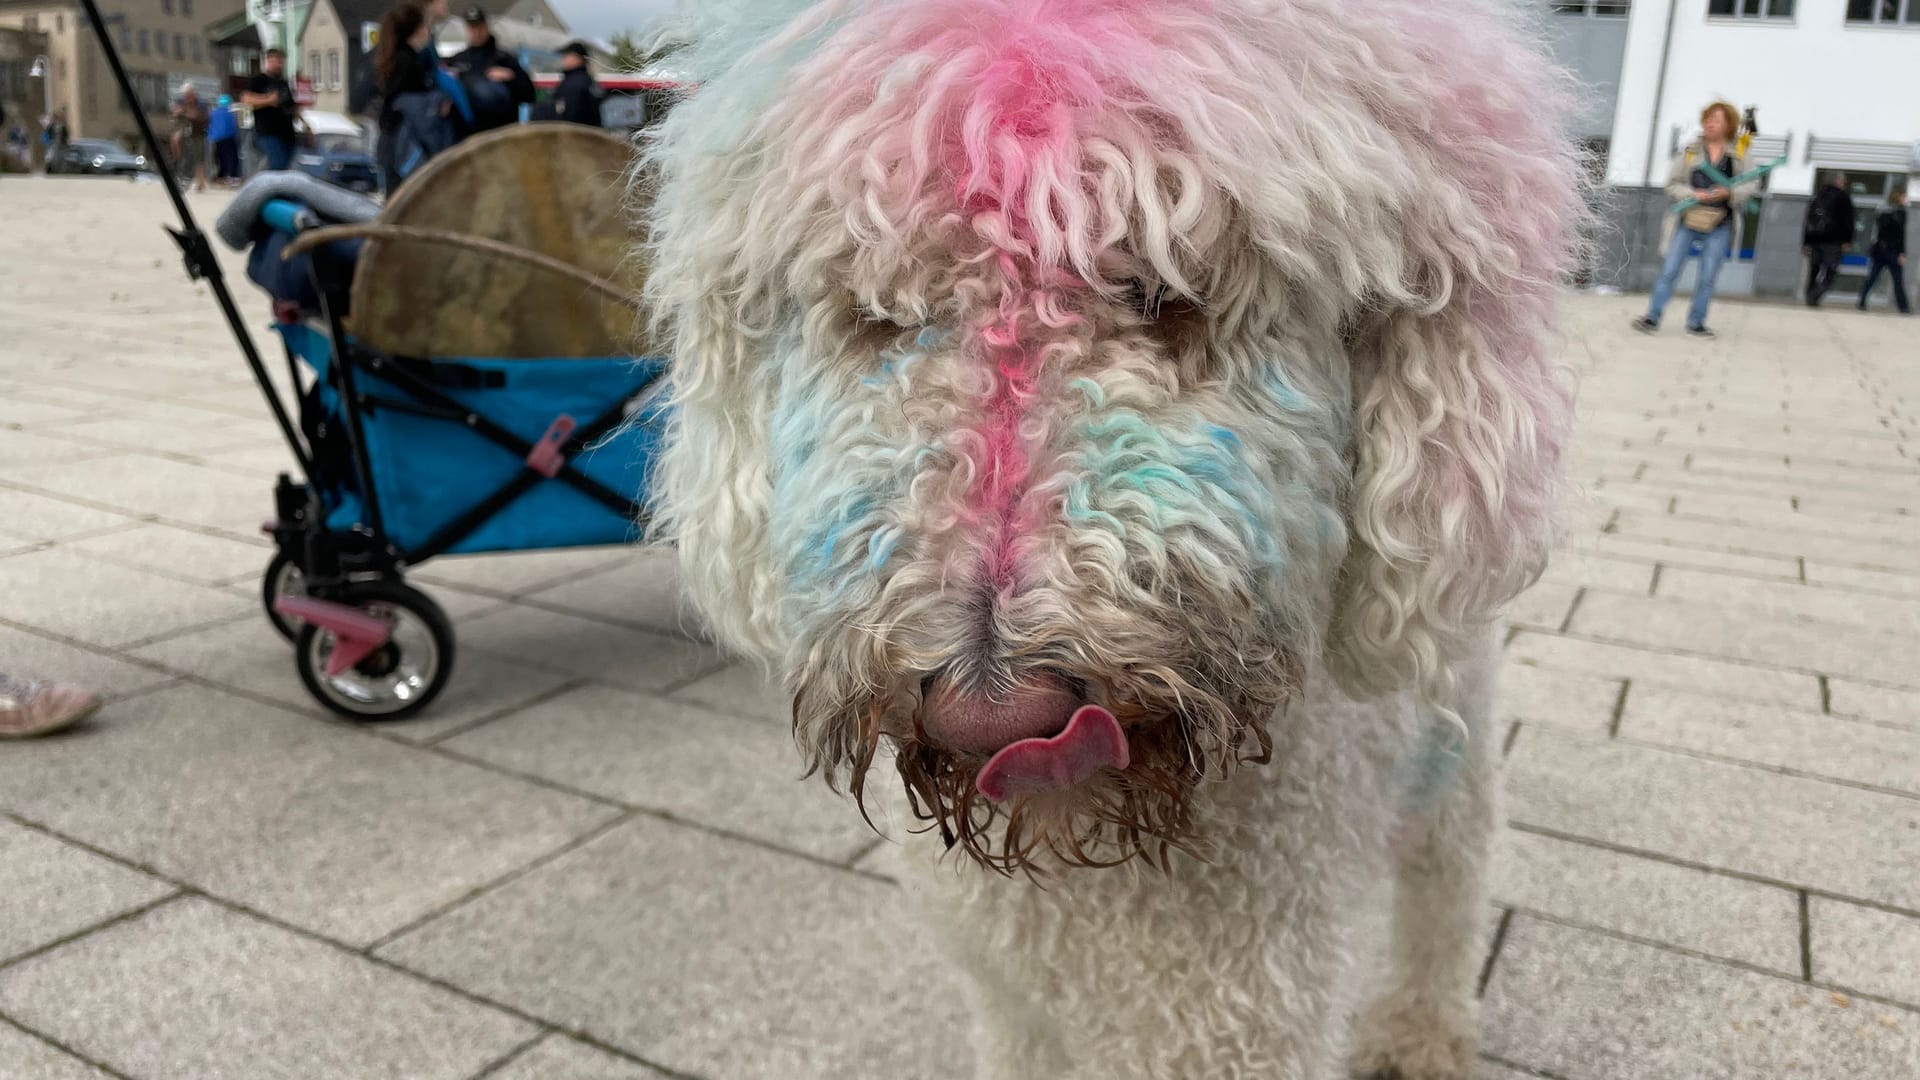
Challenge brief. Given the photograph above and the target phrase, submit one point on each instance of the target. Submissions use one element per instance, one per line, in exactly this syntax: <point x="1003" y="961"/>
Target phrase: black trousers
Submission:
<point x="1891" y="264"/>
<point x="1823" y="265"/>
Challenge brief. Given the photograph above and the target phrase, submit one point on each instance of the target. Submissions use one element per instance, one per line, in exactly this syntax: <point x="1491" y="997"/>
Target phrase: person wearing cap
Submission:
<point x="496" y="83"/>
<point x="577" y="99"/>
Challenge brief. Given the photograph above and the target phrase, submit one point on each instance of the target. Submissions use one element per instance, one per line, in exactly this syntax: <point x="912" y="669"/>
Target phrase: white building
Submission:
<point x="1835" y="85"/>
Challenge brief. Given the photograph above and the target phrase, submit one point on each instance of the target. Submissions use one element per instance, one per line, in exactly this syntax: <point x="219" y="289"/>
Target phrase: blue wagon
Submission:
<point x="462" y="380"/>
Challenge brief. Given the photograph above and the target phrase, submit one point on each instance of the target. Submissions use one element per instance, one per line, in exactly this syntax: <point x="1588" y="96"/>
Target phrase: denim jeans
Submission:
<point x="1891" y="264"/>
<point x="277" y="151"/>
<point x="1714" y="248"/>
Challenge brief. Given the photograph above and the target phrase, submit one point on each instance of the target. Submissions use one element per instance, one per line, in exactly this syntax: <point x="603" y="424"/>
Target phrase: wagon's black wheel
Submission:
<point x="283" y="578"/>
<point x="399" y="678"/>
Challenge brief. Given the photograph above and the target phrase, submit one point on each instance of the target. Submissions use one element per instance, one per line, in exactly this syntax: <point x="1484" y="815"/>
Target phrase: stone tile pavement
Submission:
<point x="593" y="861"/>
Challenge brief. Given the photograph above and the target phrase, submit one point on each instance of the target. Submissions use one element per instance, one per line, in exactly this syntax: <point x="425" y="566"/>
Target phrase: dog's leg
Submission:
<point x="1425" y="1026"/>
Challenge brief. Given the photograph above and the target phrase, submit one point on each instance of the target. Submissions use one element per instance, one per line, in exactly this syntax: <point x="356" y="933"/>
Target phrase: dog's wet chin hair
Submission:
<point x="1167" y="350"/>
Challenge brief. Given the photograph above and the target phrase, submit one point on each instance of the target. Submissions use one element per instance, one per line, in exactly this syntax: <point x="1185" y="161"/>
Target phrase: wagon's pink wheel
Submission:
<point x="390" y="680"/>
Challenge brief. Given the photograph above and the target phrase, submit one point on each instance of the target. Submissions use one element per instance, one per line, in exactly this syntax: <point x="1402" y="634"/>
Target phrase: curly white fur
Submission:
<point x="1193" y="348"/>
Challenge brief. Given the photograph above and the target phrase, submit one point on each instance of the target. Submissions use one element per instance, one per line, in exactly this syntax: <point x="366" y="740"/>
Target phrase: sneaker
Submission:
<point x="40" y="708"/>
<point x="1699" y="331"/>
<point x="1646" y="325"/>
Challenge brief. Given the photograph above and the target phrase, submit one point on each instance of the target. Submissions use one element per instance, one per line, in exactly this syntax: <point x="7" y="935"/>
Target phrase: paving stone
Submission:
<point x="25" y="448"/>
<point x="29" y="516"/>
<point x="560" y="1058"/>
<point x="740" y="775"/>
<point x="171" y="490"/>
<point x="1865" y="653"/>
<point x="741" y="690"/>
<point x="27" y="413"/>
<point x="1785" y="600"/>
<point x="1583" y="1006"/>
<point x="159" y="428"/>
<point x="519" y="573"/>
<point x="1544" y="606"/>
<point x="280" y="812"/>
<point x="1740" y="682"/>
<point x="1674" y="905"/>
<point x="1872" y="951"/>
<point x="1878" y="581"/>
<point x="191" y="989"/>
<point x="1879" y="703"/>
<point x="1538" y="695"/>
<point x="30" y="1058"/>
<point x="1803" y="833"/>
<point x="1806" y="742"/>
<point x="102" y="603"/>
<point x="249" y="656"/>
<point x="1487" y="1070"/>
<point x="1783" y="567"/>
<point x="50" y="888"/>
<point x="1775" y="540"/>
<point x="635" y="659"/>
<point x="645" y="592"/>
<point x="1595" y="571"/>
<point x="709" y="956"/>
<point x="211" y="560"/>
<point x="32" y="656"/>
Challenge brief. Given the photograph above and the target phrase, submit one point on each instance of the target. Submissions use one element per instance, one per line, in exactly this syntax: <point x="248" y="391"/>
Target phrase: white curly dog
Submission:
<point x="1126" y="419"/>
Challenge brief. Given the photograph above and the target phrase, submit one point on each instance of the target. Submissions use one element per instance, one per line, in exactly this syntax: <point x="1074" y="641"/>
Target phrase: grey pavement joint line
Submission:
<point x="1826" y="696"/>
<point x="187" y="889"/>
<point x="1493" y="952"/>
<point x="68" y="939"/>
<point x="1619" y="709"/>
<point x="1573" y="608"/>
<point x="1708" y="868"/>
<point x="1513" y="736"/>
<point x="1696" y="654"/>
<point x="493" y="1067"/>
<point x="1806" y="939"/>
<point x="503" y="880"/>
<point x="483" y="720"/>
<point x="63" y="1048"/>
<point x="1653" y="583"/>
<point x="1524" y="1070"/>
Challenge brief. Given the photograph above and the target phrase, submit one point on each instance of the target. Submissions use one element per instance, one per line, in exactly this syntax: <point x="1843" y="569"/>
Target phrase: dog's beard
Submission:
<point x="1144" y="812"/>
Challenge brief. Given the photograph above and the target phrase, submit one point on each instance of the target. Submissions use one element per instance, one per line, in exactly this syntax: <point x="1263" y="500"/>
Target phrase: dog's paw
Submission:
<point x="1417" y="1042"/>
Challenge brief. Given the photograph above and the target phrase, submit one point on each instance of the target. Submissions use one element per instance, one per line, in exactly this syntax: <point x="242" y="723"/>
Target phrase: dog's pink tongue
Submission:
<point x="1091" y="741"/>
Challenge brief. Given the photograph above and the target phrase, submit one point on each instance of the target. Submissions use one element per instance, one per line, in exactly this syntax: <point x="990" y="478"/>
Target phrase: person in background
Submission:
<point x="191" y="123"/>
<point x="423" y="108"/>
<point x="577" y="98"/>
<point x="1826" y="236"/>
<point x="271" y="99"/>
<point x="1712" y="222"/>
<point x="495" y="81"/>
<point x="39" y="707"/>
<point x="1889" y="251"/>
<point x="223" y="132"/>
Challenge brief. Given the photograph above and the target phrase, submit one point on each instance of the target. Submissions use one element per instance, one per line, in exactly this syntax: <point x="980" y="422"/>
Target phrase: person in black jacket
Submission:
<point x="1826" y="236"/>
<point x="414" y="117"/>
<point x="495" y="81"/>
<point x="1889" y="250"/>
<point x="577" y="99"/>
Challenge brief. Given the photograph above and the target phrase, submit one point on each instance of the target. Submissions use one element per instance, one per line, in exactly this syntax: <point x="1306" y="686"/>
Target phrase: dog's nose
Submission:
<point x="983" y="721"/>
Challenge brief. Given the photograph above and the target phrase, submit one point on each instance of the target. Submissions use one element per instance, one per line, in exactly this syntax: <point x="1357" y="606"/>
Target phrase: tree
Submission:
<point x="632" y="52"/>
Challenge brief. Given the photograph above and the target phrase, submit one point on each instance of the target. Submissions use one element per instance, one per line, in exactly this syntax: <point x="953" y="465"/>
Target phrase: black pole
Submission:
<point x="200" y="260"/>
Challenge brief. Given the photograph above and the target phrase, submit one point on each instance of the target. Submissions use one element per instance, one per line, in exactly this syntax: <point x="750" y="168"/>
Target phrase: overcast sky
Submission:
<point x="604" y="18"/>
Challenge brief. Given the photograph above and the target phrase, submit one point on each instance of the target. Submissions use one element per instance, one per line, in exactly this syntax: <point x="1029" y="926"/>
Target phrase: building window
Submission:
<point x="186" y="7"/>
<point x="179" y="47"/>
<point x="333" y="69"/>
<point x="143" y="43"/>
<point x="1603" y="9"/>
<point x="1750" y="9"/>
<point x="198" y="56"/>
<point x="166" y="6"/>
<point x="126" y="38"/>
<point x="59" y="24"/>
<point x="313" y="66"/>
<point x="1884" y="12"/>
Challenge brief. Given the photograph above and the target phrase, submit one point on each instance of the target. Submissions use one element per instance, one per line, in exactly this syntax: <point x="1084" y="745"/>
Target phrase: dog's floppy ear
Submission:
<point x="1460" y="412"/>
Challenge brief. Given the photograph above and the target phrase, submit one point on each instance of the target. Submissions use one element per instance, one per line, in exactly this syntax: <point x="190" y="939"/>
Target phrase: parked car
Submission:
<point x="336" y="152"/>
<point x="99" y="157"/>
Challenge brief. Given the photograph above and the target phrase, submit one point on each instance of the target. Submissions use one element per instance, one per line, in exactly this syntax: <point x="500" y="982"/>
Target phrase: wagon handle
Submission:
<point x="313" y="238"/>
